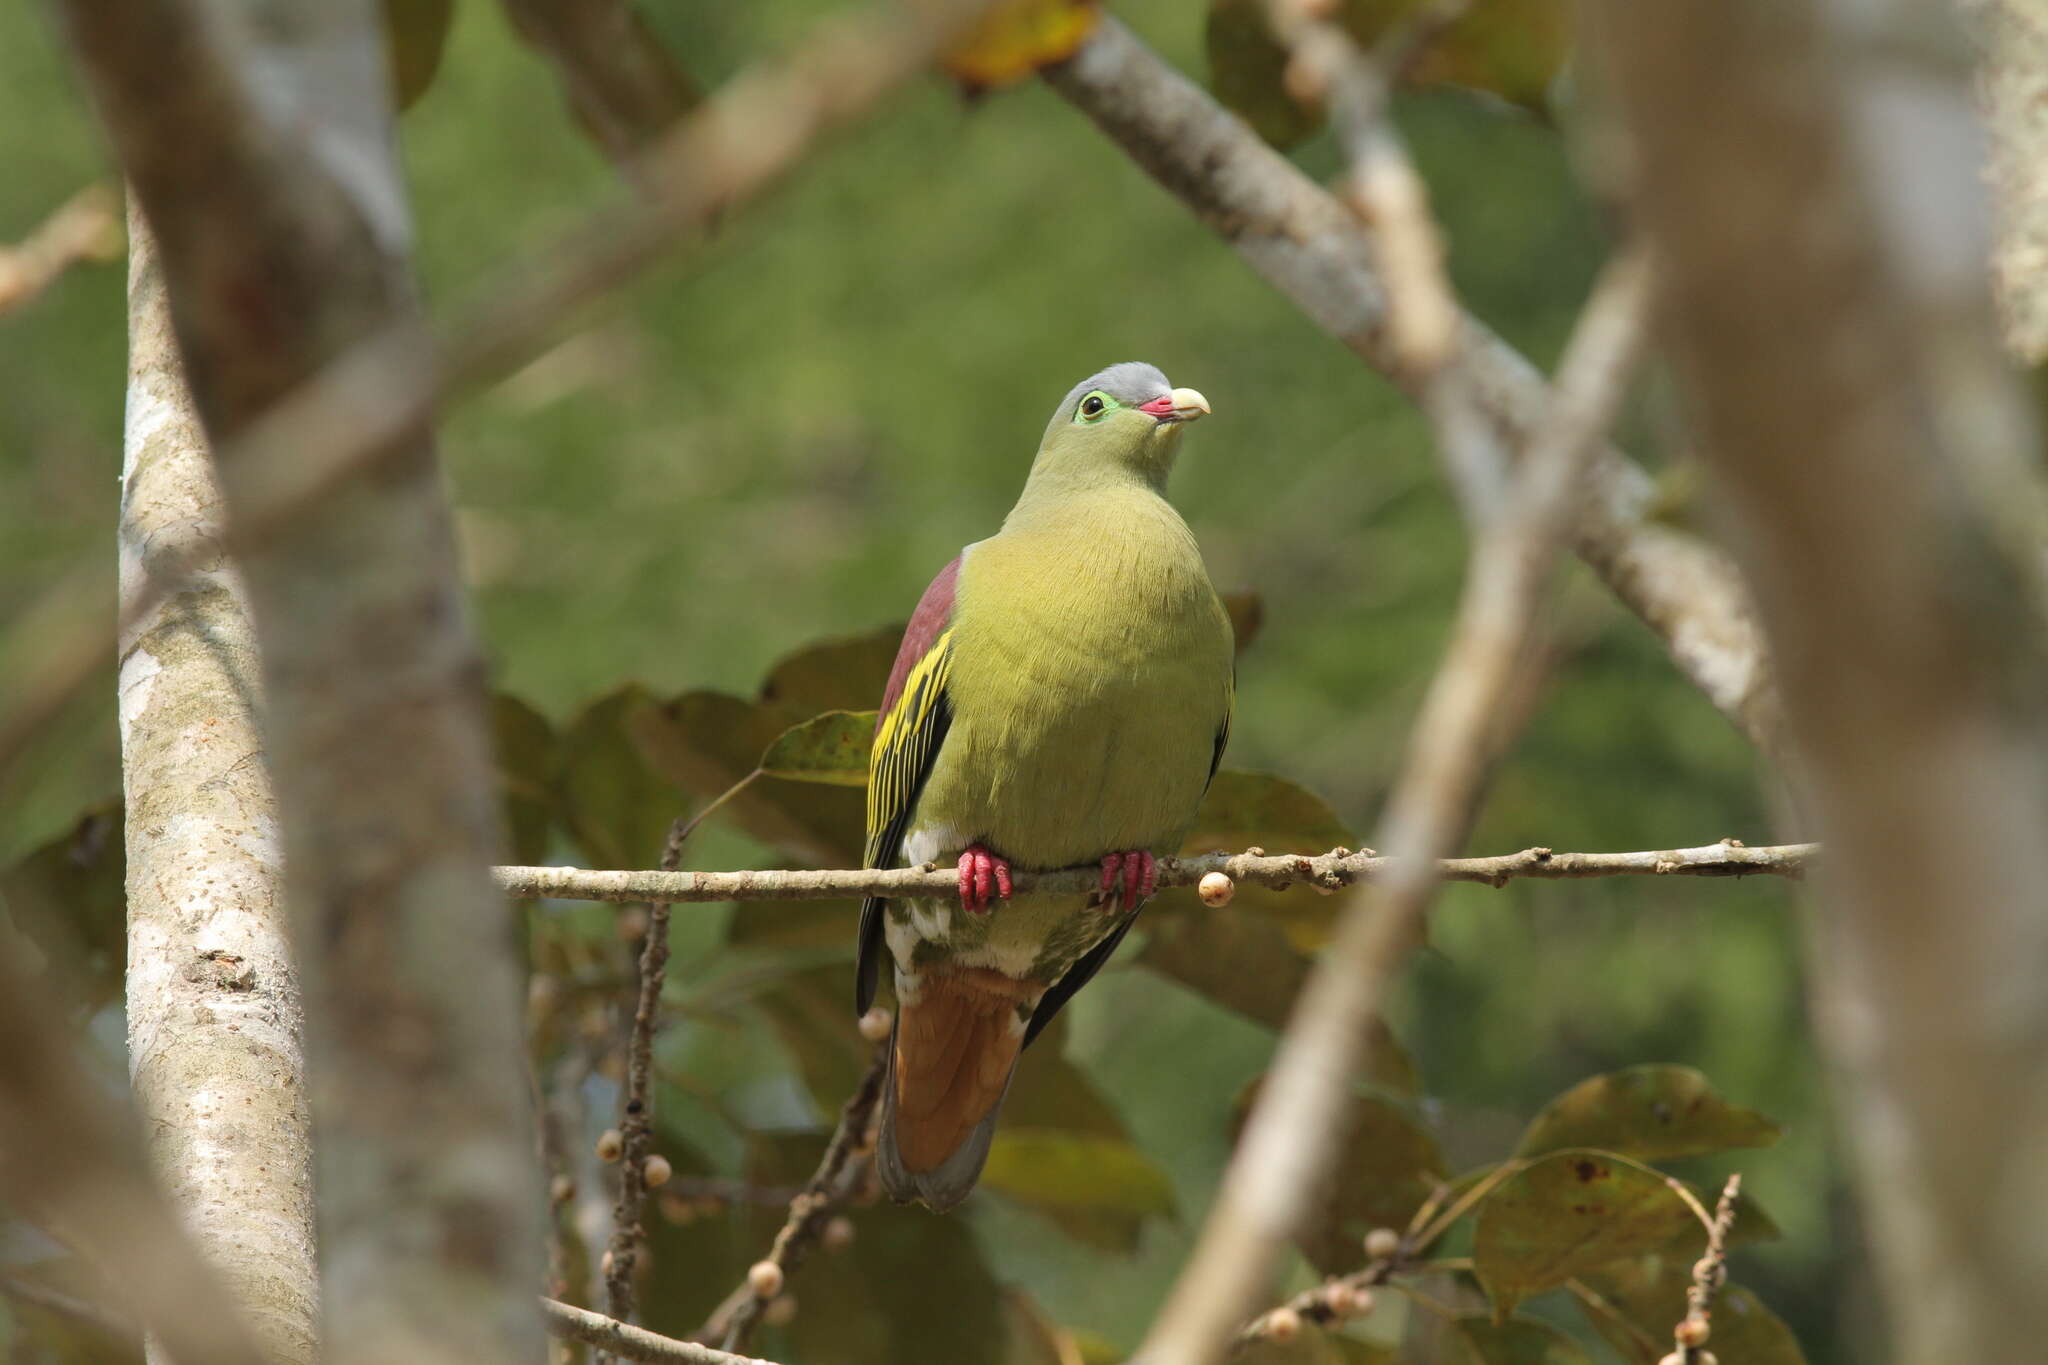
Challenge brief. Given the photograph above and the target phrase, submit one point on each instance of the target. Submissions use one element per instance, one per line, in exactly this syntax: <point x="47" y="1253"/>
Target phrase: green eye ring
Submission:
<point x="1092" y="408"/>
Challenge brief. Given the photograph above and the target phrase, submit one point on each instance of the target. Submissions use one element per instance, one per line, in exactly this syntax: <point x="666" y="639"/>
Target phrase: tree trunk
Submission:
<point x="259" y="141"/>
<point x="1810" y="177"/>
<point x="214" y="1018"/>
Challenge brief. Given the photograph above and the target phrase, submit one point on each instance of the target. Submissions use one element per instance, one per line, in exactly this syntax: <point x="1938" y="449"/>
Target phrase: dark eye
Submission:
<point x="1091" y="406"/>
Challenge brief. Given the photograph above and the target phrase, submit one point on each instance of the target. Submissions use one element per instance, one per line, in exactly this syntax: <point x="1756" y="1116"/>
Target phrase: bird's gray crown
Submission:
<point x="1130" y="383"/>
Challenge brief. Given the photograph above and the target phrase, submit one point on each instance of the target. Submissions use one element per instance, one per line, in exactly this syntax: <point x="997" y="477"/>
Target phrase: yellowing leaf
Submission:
<point x="1016" y="39"/>
<point x="1510" y="49"/>
<point x="1567" y="1214"/>
<point x="1651" y="1113"/>
<point x="831" y="748"/>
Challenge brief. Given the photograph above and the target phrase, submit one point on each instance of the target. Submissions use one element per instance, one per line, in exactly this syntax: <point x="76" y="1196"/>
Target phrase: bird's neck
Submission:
<point x="1057" y="490"/>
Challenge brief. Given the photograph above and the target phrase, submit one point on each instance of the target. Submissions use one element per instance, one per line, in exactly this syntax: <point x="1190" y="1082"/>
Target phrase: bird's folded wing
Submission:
<point x="916" y="713"/>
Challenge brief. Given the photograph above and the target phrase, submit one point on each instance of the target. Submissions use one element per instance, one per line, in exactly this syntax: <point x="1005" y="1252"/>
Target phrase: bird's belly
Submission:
<point x="1032" y="938"/>
<point x="1121" y="766"/>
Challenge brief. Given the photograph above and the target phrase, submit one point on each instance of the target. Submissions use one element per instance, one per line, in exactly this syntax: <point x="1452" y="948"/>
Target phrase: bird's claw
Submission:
<point x="1139" y="874"/>
<point x="983" y="876"/>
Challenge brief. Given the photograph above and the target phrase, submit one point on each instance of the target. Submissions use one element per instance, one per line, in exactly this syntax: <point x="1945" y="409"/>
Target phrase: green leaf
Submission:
<point x="1240" y="961"/>
<point x="617" y="807"/>
<point x="831" y="748"/>
<point x="1517" y="1341"/>
<point x="415" y="35"/>
<point x="1065" y="1169"/>
<point x="524" y="744"/>
<point x="1652" y="1113"/>
<point x="706" y="741"/>
<point x="69" y="897"/>
<point x="1643" y="1298"/>
<point x="846" y="674"/>
<point x="811" y="1012"/>
<point x="1051" y="1094"/>
<point x="1567" y="1214"/>
<point x="624" y="96"/>
<point x="1386" y="1168"/>
<point x="1247" y="69"/>
<point x="1244" y="809"/>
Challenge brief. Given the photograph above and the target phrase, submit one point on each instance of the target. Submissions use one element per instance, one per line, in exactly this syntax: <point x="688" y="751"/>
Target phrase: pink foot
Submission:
<point x="982" y="876"/>
<point x="1139" y="875"/>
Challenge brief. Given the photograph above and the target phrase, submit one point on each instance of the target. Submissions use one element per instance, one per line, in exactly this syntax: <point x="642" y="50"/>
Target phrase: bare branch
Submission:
<point x="630" y="1342"/>
<point x="216" y="1052"/>
<point x="349" y="418"/>
<point x="2013" y="92"/>
<point x="1822" y="239"/>
<point x="1306" y="245"/>
<point x="1326" y="870"/>
<point x="1291" y="1134"/>
<point x="86" y="227"/>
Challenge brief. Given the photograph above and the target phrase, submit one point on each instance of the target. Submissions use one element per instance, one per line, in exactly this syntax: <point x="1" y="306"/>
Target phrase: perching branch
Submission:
<point x="1290" y="1137"/>
<point x="1308" y="246"/>
<point x="628" y="1342"/>
<point x="1337" y="868"/>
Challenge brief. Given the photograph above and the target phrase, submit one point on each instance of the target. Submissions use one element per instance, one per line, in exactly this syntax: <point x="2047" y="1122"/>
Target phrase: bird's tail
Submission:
<point x="951" y="1056"/>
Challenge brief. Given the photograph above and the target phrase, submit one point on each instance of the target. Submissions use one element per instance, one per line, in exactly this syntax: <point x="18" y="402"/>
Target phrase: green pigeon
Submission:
<point x="1061" y="699"/>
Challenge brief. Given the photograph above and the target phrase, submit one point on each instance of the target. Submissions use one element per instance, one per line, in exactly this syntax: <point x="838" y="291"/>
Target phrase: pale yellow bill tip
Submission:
<point x="1188" y="404"/>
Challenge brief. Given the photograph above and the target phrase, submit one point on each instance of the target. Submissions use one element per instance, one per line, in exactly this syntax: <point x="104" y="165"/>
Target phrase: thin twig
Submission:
<point x="629" y="1342"/>
<point x="1381" y="186"/>
<point x="1290" y="1137"/>
<point x="85" y="227"/>
<point x="1337" y="868"/>
<point x="636" y="1123"/>
<point x="840" y="1172"/>
<point x="1709" y="1273"/>
<point x="348" y="419"/>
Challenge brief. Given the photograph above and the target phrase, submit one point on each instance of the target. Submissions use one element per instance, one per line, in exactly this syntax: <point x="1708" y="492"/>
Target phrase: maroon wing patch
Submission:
<point x="934" y="609"/>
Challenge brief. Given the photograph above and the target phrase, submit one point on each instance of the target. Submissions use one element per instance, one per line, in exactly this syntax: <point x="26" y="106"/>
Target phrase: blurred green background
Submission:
<point x="781" y="438"/>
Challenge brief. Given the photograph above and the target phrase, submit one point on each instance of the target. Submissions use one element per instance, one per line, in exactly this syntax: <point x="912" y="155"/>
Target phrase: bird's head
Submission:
<point x="1125" y="419"/>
